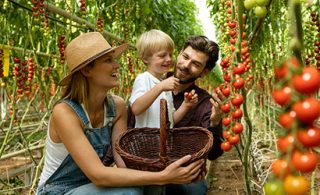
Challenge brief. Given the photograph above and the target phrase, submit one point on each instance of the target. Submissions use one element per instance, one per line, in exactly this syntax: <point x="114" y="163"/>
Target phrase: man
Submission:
<point x="196" y="59"/>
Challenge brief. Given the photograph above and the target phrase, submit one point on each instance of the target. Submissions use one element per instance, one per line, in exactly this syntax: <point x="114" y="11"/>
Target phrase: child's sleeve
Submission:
<point x="139" y="88"/>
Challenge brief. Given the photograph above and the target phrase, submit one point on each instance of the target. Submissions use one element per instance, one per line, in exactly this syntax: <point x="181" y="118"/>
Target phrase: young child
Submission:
<point x="155" y="48"/>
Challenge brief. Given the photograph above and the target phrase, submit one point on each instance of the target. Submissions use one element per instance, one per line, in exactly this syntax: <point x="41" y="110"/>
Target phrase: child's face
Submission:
<point x="160" y="62"/>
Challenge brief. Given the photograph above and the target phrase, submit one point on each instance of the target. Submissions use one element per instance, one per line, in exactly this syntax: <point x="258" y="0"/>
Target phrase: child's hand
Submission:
<point x="169" y="84"/>
<point x="190" y="99"/>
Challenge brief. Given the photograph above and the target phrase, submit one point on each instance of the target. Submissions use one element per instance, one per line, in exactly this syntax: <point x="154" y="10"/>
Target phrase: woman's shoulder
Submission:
<point x="62" y="109"/>
<point x="118" y="101"/>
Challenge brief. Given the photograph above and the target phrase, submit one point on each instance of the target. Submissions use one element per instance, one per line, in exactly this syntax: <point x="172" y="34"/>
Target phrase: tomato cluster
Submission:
<point x="62" y="49"/>
<point x="259" y="5"/>
<point x="234" y="72"/>
<point x="294" y="91"/>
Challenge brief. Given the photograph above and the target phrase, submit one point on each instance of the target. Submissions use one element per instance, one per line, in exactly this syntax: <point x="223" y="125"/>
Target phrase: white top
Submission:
<point x="151" y="117"/>
<point x="57" y="152"/>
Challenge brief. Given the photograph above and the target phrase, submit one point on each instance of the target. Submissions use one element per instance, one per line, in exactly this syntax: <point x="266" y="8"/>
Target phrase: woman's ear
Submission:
<point x="86" y="71"/>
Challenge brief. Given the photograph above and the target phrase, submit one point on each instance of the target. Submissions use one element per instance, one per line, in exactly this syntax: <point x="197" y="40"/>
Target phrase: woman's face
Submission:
<point x="104" y="73"/>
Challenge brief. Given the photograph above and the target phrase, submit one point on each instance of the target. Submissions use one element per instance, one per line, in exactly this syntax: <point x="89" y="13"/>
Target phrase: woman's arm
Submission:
<point x="69" y="130"/>
<point x="120" y="125"/>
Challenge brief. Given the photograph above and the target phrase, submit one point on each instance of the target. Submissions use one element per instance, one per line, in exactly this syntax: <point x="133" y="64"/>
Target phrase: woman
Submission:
<point x="86" y="121"/>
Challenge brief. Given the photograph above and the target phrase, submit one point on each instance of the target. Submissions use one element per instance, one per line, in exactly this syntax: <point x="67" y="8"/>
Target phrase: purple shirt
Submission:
<point x="199" y="115"/>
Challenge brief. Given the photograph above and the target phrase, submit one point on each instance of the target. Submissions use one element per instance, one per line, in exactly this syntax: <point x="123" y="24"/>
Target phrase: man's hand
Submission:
<point x="216" y="102"/>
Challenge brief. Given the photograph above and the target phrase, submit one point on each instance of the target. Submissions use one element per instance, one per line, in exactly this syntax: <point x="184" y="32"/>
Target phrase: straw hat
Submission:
<point x="86" y="48"/>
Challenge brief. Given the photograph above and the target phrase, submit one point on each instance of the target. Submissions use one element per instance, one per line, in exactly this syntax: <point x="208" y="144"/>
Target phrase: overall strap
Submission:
<point x="111" y="109"/>
<point x="78" y="110"/>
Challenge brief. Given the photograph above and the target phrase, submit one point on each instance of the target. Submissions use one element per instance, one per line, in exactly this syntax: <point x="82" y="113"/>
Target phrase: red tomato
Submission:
<point x="282" y="70"/>
<point x="304" y="162"/>
<point x="244" y="50"/>
<point x="238" y="83"/>
<point x="234" y="139"/>
<point x="285" y="143"/>
<point x="226" y="91"/>
<point x="308" y="82"/>
<point x="189" y="96"/>
<point x="237" y="128"/>
<point x="307" y="110"/>
<point x="239" y="69"/>
<point x="226" y="134"/>
<point x="237" y="100"/>
<point x="227" y="77"/>
<point x="282" y="96"/>
<point x="226" y="146"/>
<point x="296" y="185"/>
<point x="226" y="107"/>
<point x="237" y="113"/>
<point x="280" y="168"/>
<point x="309" y="137"/>
<point x="226" y="121"/>
<point x="286" y="119"/>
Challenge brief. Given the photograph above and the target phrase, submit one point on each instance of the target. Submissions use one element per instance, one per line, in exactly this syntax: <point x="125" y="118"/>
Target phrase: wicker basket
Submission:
<point x="152" y="149"/>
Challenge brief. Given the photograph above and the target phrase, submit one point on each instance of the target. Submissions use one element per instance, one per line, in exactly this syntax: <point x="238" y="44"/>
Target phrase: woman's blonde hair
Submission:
<point x="152" y="41"/>
<point x="77" y="88"/>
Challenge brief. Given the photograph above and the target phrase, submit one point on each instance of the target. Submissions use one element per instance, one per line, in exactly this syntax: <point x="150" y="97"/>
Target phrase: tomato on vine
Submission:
<point x="285" y="143"/>
<point x="280" y="168"/>
<point x="226" y="146"/>
<point x="226" y="121"/>
<point x="304" y="162"/>
<point x="237" y="113"/>
<point x="309" y="137"/>
<point x="308" y="82"/>
<point x="296" y="185"/>
<point x="234" y="139"/>
<point x="274" y="187"/>
<point x="307" y="110"/>
<point x="238" y="83"/>
<point x="282" y="96"/>
<point x="237" y="100"/>
<point x="226" y="107"/>
<point x="226" y="134"/>
<point x="237" y="128"/>
<point x="286" y="119"/>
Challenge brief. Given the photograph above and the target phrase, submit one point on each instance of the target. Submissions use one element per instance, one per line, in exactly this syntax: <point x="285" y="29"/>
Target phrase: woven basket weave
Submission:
<point x="152" y="149"/>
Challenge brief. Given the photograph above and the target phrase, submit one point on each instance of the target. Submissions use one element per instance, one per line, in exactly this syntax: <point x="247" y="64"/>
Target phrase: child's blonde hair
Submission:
<point x="152" y="41"/>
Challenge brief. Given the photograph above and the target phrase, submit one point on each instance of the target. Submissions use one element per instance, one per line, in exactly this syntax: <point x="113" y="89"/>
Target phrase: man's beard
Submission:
<point x="190" y="80"/>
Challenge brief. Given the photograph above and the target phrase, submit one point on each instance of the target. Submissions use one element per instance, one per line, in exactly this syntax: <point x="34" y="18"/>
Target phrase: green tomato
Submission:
<point x="274" y="187"/>
<point x="249" y="4"/>
<point x="262" y="2"/>
<point x="260" y="11"/>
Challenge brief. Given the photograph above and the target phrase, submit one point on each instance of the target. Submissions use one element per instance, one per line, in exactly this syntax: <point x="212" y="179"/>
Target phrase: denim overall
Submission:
<point x="68" y="178"/>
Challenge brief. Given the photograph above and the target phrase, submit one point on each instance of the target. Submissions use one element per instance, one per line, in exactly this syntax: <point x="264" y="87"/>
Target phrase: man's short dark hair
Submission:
<point x="203" y="44"/>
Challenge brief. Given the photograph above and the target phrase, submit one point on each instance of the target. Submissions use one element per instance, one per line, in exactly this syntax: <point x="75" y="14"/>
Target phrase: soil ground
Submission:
<point x="225" y="176"/>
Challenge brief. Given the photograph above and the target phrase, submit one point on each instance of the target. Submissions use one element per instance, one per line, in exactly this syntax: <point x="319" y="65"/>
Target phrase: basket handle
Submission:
<point x="163" y="130"/>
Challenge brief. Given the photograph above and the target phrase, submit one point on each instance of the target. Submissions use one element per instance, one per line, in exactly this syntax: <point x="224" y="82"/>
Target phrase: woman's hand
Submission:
<point x="176" y="174"/>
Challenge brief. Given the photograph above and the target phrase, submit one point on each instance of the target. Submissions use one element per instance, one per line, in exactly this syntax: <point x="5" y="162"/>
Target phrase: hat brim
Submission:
<point x="116" y="52"/>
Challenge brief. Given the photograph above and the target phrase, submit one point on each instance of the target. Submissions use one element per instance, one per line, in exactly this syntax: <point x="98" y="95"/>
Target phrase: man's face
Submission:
<point x="190" y="65"/>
